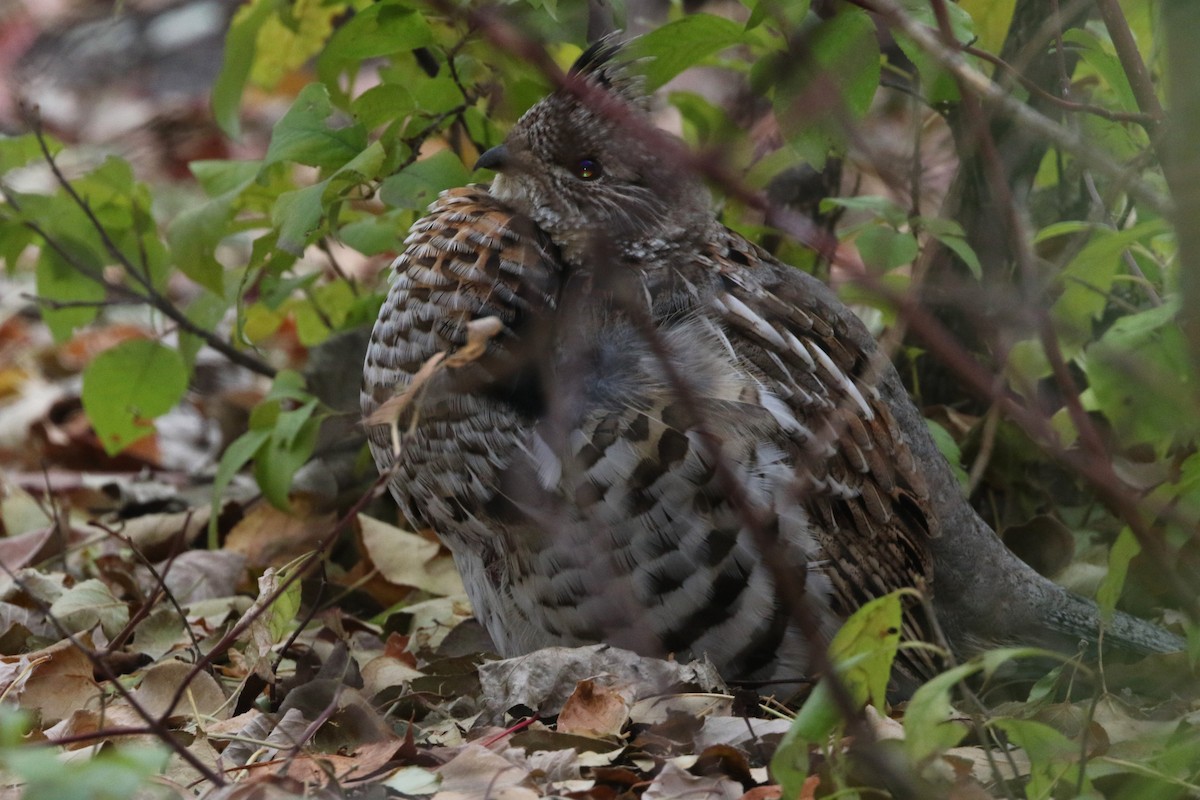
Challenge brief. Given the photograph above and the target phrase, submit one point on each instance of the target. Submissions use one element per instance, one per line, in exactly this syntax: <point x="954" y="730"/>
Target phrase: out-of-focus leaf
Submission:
<point x="1142" y="379"/>
<point x="381" y="29"/>
<point x="683" y="43"/>
<point x="196" y="232"/>
<point x="884" y="248"/>
<point x="991" y="19"/>
<point x="1123" y="550"/>
<point x="1104" y="63"/>
<point x="1054" y="757"/>
<point x="419" y="183"/>
<point x="286" y="46"/>
<point x="60" y="281"/>
<point x="937" y="85"/>
<point x="843" y="62"/>
<point x="19" y="151"/>
<point x="127" y="386"/>
<point x="1088" y="279"/>
<point x="949" y="449"/>
<point x="241" y="46"/>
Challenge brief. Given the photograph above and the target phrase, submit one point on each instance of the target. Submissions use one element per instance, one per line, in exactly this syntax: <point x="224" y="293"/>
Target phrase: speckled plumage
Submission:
<point x="566" y="470"/>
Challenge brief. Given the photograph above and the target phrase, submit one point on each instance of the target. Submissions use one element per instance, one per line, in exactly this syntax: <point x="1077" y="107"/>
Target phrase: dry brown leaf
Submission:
<point x="157" y="536"/>
<point x="202" y="700"/>
<point x="268" y="537"/>
<point x="54" y="682"/>
<point x="385" y="672"/>
<point x="673" y="783"/>
<point x="595" y="710"/>
<point x="353" y="767"/>
<point x="406" y="559"/>
<point x="478" y="772"/>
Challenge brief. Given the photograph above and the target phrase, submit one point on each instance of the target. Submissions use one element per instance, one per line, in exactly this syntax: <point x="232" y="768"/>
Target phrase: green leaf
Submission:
<point x="880" y="207"/>
<point x="884" y="248"/>
<point x="206" y="311"/>
<point x="327" y="305"/>
<point x="1140" y="351"/>
<point x="127" y="386"/>
<point x="241" y="45"/>
<point x="113" y="773"/>
<point x="1104" y="63"/>
<point x="937" y="85"/>
<point x="381" y="104"/>
<point x="373" y="235"/>
<point x="20" y="151"/>
<point x="236" y="456"/>
<point x="862" y="652"/>
<point x="288" y="447"/>
<point x="844" y="58"/>
<point x="381" y="29"/>
<point x="288" y="40"/>
<point x="1053" y="757"/>
<point x="991" y="20"/>
<point x="297" y="215"/>
<point x="928" y="725"/>
<point x="1123" y="550"/>
<point x="60" y="281"/>
<point x="305" y="135"/>
<point x="418" y="184"/>
<point x="949" y="449"/>
<point x="683" y="43"/>
<point x="1088" y="279"/>
<point x="195" y="234"/>
<point x="865" y="647"/>
<point x="959" y="246"/>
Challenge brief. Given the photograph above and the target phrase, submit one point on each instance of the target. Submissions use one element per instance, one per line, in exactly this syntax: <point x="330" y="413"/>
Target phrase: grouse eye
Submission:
<point x="587" y="169"/>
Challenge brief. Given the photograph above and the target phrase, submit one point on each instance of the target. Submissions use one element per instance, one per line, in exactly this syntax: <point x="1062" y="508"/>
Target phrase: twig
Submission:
<point x="1145" y="120"/>
<point x="1133" y="65"/>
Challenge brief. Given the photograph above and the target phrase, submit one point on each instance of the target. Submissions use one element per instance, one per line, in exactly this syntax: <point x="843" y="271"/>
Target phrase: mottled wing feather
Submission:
<point x="857" y="474"/>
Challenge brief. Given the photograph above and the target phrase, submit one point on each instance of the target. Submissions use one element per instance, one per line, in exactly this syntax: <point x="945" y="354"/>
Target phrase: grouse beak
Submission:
<point x="495" y="159"/>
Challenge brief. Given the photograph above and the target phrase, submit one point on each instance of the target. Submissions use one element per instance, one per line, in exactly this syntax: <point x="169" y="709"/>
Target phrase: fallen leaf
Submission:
<point x="54" y="682"/>
<point x="203" y="699"/>
<point x="595" y="710"/>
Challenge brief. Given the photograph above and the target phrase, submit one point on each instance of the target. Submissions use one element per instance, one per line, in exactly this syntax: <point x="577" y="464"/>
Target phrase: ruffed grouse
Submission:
<point x="606" y="401"/>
